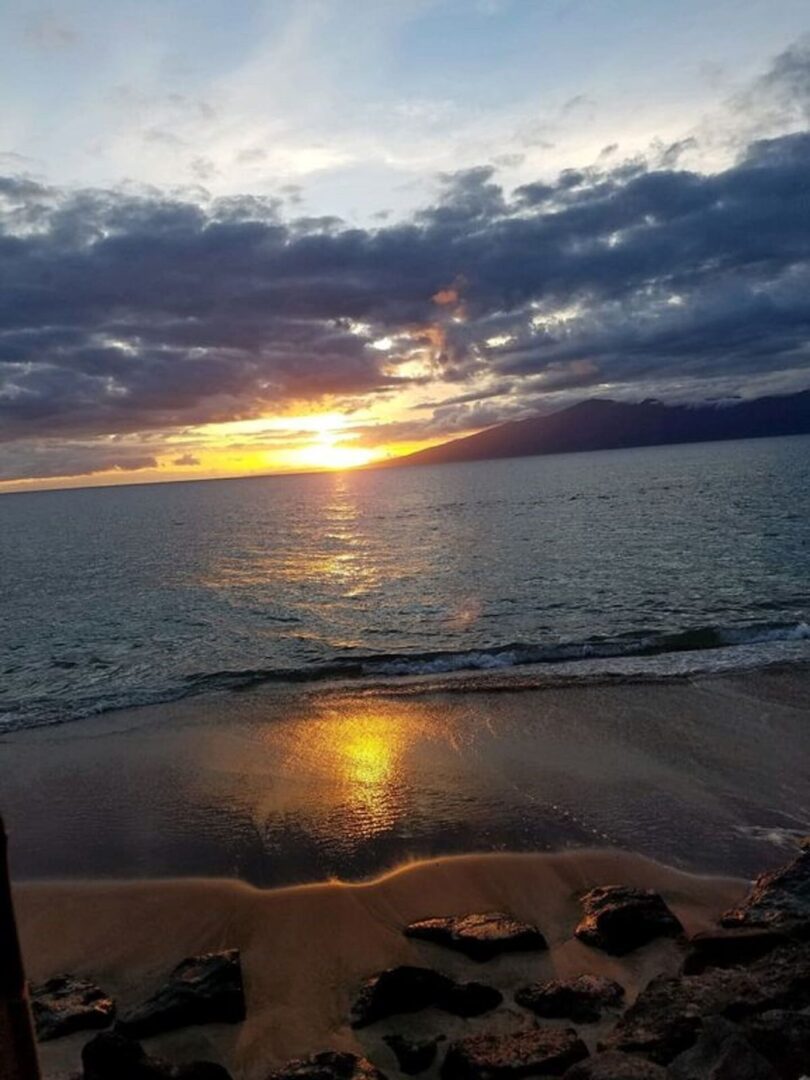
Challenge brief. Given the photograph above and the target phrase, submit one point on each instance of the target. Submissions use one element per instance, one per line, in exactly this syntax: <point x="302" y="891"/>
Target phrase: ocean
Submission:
<point x="645" y="561"/>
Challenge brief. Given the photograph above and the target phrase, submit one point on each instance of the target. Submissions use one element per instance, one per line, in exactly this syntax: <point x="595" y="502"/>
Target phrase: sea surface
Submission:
<point x="653" y="560"/>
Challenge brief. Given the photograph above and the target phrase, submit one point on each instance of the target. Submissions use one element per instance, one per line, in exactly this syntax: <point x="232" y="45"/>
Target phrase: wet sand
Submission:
<point x="708" y="773"/>
<point x="305" y="949"/>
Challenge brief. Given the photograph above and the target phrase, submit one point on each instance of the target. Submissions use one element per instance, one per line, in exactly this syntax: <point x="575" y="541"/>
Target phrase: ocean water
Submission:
<point x="584" y="562"/>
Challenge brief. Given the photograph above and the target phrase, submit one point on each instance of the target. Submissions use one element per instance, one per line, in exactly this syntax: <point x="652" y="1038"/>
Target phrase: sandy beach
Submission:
<point x="306" y="949"/>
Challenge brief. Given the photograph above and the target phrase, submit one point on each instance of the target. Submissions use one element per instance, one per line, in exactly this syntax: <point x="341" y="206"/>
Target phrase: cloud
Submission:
<point x="186" y="459"/>
<point x="125" y="311"/>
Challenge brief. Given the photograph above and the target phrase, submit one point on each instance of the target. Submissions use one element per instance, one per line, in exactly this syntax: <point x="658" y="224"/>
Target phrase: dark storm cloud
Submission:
<point x="123" y="313"/>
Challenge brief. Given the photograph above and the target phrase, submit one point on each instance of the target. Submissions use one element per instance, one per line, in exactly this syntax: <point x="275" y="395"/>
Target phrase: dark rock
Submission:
<point x="721" y="1053"/>
<point x="66" y="1004"/>
<point x="328" y="1065"/>
<point x="580" y="999"/>
<point x="730" y="948"/>
<point x="667" y="1017"/>
<point x="480" y="937"/>
<point x="783" y="1038"/>
<point x="616" y="1066"/>
<point x="540" y="1051"/>
<point x="200" y="1070"/>
<point x="470" y="999"/>
<point x="619" y="919"/>
<point x="402" y="989"/>
<point x="409" y="989"/>
<point x="113" y="1056"/>
<point x="202" y="990"/>
<point x="779" y="899"/>
<point x="413" y="1057"/>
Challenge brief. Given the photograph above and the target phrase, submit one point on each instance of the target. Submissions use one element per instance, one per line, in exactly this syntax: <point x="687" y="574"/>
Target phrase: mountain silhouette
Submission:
<point x="601" y="424"/>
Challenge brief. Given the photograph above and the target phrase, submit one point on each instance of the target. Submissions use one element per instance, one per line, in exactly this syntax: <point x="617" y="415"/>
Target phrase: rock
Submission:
<point x="402" y="989"/>
<point x="615" y="1066"/>
<point x="668" y="1015"/>
<point x="779" y="899"/>
<point x="783" y="1038"/>
<point x="619" y="919"/>
<point x="328" y="1065"/>
<point x="113" y="1056"/>
<point x="580" y="999"/>
<point x="66" y="1004"/>
<point x="413" y="1057"/>
<point x="200" y="1070"/>
<point x="480" y="937"/>
<point x="721" y="1053"/>
<point x="541" y="1051"/>
<point x="204" y="989"/>
<point x="408" y="989"/>
<point x="730" y="948"/>
<point x="470" y="999"/>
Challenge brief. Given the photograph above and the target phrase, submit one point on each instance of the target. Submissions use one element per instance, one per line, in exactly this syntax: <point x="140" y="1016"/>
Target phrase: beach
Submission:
<point x="306" y="950"/>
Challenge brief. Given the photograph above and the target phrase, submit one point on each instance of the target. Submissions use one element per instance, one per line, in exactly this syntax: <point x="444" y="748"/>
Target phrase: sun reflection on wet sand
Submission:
<point x="350" y="766"/>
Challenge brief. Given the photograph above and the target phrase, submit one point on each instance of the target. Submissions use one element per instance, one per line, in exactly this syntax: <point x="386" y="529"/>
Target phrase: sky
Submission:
<point x="246" y="237"/>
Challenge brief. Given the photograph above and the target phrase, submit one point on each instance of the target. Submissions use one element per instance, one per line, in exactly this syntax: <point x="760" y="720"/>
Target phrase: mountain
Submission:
<point x="599" y="424"/>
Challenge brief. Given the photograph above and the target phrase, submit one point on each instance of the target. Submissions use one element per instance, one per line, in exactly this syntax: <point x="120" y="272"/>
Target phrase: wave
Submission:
<point x="369" y="666"/>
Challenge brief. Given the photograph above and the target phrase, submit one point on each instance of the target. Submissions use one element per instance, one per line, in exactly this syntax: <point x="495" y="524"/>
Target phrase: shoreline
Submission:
<point x="786" y="656"/>
<point x="306" y="948"/>
<point x="706" y="773"/>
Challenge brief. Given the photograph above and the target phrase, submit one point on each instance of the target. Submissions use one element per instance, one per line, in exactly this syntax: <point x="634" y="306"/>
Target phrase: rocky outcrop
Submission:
<point x="328" y="1065"/>
<point x="779" y="900"/>
<point x="413" y="1057"/>
<point x="618" y="919"/>
<point x="783" y="1037"/>
<point x="580" y="999"/>
<point x="201" y="990"/>
<point x="113" y="1056"/>
<point x="480" y="937"/>
<point x="66" y="1004"/>
<point x="722" y="1052"/>
<point x="407" y="989"/>
<point x="730" y="948"/>
<point x="668" y="1016"/>
<point x="615" y="1066"/>
<point x="541" y="1051"/>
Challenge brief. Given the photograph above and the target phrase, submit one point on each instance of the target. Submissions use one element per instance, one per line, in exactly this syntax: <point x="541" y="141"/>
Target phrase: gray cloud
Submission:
<point x="124" y="312"/>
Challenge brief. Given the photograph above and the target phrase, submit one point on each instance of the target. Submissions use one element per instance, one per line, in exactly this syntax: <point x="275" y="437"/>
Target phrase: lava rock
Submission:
<point x="66" y="1004"/>
<point x="580" y="999"/>
<point x="779" y="899"/>
<point x="201" y="990"/>
<point x="721" y="1053"/>
<point x="200" y="1070"/>
<point x="730" y="948"/>
<point x="541" y="1051"/>
<point x="615" y="1066"/>
<point x="413" y="1057"/>
<point x="113" y="1056"/>
<point x="470" y="999"/>
<point x="618" y="919"/>
<point x="669" y="1014"/>
<point x="407" y="989"/>
<point x="403" y="989"/>
<point x="783" y="1037"/>
<point x="328" y="1065"/>
<point x="481" y="936"/>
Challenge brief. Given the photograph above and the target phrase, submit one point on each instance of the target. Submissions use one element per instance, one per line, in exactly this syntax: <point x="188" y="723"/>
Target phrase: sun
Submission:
<point x="325" y="454"/>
